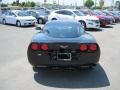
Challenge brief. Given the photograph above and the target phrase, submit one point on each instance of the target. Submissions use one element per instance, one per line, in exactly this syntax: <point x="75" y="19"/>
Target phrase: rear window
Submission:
<point x="63" y="30"/>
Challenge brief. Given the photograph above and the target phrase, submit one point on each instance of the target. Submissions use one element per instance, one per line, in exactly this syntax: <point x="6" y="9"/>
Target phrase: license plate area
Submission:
<point x="64" y="56"/>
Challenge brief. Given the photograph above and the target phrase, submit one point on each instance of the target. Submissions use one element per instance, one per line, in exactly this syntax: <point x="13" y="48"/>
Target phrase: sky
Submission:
<point x="67" y="2"/>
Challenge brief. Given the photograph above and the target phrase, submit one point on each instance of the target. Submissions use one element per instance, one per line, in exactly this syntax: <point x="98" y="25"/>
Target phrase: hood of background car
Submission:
<point x="43" y="16"/>
<point x="101" y="16"/>
<point x="87" y="17"/>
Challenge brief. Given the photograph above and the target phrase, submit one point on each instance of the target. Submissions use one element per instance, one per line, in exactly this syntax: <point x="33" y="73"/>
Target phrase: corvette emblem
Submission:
<point x="64" y="47"/>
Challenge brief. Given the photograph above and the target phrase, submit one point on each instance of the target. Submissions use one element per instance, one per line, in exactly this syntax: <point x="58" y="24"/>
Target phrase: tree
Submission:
<point x="14" y="3"/>
<point x="4" y="5"/>
<point x="54" y="2"/>
<point x="45" y="1"/>
<point x="101" y="3"/>
<point x="32" y="4"/>
<point x="23" y="4"/>
<point x="28" y="4"/>
<point x="89" y="3"/>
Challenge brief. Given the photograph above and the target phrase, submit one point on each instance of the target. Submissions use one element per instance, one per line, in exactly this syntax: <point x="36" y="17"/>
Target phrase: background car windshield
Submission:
<point x="23" y="14"/>
<point x="79" y="13"/>
<point x="41" y="12"/>
<point x="63" y="30"/>
<point x="100" y="13"/>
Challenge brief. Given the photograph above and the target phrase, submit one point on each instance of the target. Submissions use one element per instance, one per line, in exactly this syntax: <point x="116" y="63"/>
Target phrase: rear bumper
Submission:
<point x="78" y="59"/>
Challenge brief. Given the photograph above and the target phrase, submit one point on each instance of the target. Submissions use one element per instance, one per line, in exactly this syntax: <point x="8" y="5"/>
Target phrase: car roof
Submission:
<point x="33" y="10"/>
<point x="15" y="11"/>
<point x="70" y="9"/>
<point x="66" y="9"/>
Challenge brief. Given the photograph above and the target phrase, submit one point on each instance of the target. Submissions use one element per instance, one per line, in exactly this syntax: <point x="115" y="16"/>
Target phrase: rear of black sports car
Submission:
<point x="63" y="44"/>
<point x="63" y="54"/>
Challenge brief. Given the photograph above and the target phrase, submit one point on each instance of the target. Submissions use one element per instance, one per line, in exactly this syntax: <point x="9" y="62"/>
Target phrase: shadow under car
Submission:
<point x="73" y="79"/>
<point x="94" y="30"/>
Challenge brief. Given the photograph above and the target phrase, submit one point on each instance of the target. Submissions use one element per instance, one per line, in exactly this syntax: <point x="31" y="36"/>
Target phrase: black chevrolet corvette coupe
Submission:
<point x="63" y="44"/>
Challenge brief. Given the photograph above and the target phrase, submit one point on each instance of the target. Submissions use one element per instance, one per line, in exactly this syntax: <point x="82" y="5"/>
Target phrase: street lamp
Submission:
<point x="95" y="2"/>
<point x="63" y="3"/>
<point x="58" y="4"/>
<point x="17" y="1"/>
<point x="83" y="2"/>
<point x="112" y="3"/>
<point x="0" y="8"/>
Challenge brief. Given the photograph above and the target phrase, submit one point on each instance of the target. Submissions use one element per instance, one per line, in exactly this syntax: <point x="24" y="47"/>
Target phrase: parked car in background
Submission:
<point x="18" y="18"/>
<point x="4" y="9"/>
<point x="103" y="19"/>
<point x="69" y="14"/>
<point x="63" y="44"/>
<point x="41" y="16"/>
<point x="109" y="19"/>
<point x="117" y="13"/>
<point x="42" y="9"/>
<point x="116" y="18"/>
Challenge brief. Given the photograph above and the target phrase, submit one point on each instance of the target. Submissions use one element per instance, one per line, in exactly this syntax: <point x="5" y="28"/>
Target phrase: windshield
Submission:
<point x="63" y="30"/>
<point x="79" y="13"/>
<point x="23" y="14"/>
<point x="42" y="12"/>
<point x="100" y="13"/>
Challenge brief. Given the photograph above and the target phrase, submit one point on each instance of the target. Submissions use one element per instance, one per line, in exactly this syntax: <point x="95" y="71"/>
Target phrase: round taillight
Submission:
<point x="83" y="47"/>
<point x="44" y="47"/>
<point x="34" y="46"/>
<point x="93" y="47"/>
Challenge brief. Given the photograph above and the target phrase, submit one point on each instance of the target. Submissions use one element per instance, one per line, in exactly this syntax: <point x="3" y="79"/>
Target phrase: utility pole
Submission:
<point x="63" y="3"/>
<point x="112" y="4"/>
<point x="83" y="2"/>
<point x="17" y="1"/>
<point x="45" y="1"/>
<point x="0" y="8"/>
<point x="95" y="2"/>
<point x="75" y="4"/>
<point x="58" y="4"/>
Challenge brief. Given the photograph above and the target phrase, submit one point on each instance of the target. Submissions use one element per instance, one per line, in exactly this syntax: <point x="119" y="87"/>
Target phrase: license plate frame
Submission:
<point x="64" y="56"/>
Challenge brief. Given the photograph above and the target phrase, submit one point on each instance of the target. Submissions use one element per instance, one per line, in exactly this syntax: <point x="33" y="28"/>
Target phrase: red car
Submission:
<point x="116" y="17"/>
<point x="104" y="20"/>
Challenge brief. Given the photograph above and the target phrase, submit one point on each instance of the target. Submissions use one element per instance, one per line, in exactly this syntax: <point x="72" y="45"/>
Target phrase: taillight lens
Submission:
<point x="92" y="47"/>
<point x="83" y="47"/>
<point x="34" y="46"/>
<point x="44" y="47"/>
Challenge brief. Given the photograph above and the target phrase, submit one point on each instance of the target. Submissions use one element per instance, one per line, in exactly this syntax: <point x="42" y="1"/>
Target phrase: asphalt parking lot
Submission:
<point x="16" y="73"/>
